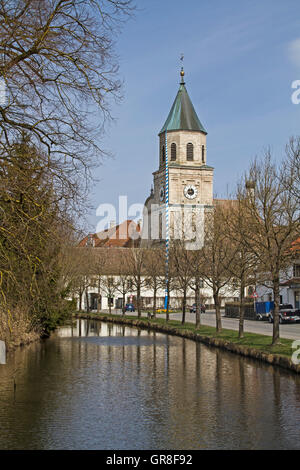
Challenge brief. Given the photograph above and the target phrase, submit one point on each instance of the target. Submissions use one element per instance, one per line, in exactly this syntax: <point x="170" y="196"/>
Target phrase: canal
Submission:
<point x="104" y="386"/>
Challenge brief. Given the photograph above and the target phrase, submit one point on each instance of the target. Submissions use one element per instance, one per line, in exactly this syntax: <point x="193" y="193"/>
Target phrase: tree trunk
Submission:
<point x="87" y="300"/>
<point x="138" y="298"/>
<point x="123" y="303"/>
<point x="154" y="299"/>
<point x="242" y="311"/>
<point x="218" y="312"/>
<point x="276" y="337"/>
<point x="183" y="307"/>
<point x="99" y="298"/>
<point x="197" y="300"/>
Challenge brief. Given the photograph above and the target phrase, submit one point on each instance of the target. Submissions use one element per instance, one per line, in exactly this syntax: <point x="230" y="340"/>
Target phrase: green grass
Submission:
<point x="250" y="340"/>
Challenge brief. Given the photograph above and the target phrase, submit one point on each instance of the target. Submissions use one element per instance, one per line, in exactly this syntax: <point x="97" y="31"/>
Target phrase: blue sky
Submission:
<point x="241" y="58"/>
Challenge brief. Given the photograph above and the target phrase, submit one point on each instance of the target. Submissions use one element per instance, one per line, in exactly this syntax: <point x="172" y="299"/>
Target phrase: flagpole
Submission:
<point x="167" y="220"/>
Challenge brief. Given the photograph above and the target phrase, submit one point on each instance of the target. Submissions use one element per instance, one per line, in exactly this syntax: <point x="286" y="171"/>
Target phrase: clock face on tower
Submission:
<point x="161" y="193"/>
<point x="190" y="191"/>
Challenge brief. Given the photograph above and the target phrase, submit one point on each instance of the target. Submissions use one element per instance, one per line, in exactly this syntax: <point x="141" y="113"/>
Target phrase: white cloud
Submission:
<point x="294" y="52"/>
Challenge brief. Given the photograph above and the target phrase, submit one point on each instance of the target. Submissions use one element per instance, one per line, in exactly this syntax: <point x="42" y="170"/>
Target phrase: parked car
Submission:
<point x="193" y="308"/>
<point x="129" y="308"/>
<point x="287" y="314"/>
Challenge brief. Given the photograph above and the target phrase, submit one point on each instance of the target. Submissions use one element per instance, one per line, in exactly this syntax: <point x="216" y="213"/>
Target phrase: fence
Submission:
<point x="232" y="310"/>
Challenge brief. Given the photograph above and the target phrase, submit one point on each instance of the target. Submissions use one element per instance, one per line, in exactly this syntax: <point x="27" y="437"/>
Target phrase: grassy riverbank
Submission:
<point x="252" y="345"/>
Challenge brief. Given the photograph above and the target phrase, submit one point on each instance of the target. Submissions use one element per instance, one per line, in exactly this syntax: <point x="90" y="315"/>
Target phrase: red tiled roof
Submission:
<point x="296" y="245"/>
<point x="121" y="235"/>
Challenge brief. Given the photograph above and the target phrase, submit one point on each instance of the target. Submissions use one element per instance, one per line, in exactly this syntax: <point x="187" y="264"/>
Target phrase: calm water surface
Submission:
<point x="102" y="386"/>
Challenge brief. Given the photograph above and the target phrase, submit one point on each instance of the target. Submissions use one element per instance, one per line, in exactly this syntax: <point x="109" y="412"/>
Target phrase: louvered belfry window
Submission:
<point x="163" y="154"/>
<point x="190" y="152"/>
<point x="173" y="152"/>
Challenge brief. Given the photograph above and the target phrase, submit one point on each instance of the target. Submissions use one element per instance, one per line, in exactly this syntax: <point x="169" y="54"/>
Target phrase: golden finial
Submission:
<point x="182" y="71"/>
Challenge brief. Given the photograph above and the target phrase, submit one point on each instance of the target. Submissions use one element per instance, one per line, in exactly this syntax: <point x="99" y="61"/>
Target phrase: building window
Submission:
<point x="190" y="152"/>
<point x="163" y="154"/>
<point x="296" y="270"/>
<point x="173" y="152"/>
<point x="203" y="154"/>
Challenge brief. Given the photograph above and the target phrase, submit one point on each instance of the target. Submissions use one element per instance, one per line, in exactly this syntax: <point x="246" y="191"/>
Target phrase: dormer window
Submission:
<point x="190" y="152"/>
<point x="163" y="154"/>
<point x="173" y="152"/>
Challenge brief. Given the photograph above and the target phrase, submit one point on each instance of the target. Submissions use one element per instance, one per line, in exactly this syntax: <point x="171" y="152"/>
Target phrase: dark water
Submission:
<point x="117" y="387"/>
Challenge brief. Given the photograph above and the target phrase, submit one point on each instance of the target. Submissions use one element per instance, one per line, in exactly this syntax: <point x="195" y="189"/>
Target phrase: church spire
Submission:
<point x="182" y="116"/>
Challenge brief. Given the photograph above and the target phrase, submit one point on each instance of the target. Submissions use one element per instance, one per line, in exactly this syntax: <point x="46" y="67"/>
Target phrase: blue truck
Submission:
<point x="263" y="310"/>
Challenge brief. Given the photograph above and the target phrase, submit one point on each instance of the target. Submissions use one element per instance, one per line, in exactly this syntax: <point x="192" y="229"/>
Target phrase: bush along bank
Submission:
<point x="252" y="345"/>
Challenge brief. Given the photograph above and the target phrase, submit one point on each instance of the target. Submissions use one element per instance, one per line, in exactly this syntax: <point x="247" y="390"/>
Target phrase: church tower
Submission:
<point x="184" y="173"/>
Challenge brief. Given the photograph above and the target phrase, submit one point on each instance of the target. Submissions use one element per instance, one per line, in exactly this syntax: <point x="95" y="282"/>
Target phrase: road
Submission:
<point x="290" y="331"/>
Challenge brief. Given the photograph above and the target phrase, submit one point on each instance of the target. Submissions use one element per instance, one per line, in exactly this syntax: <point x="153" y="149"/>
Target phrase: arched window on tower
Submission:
<point x="190" y="152"/>
<point x="173" y="152"/>
<point x="163" y="154"/>
<point x="203" y="154"/>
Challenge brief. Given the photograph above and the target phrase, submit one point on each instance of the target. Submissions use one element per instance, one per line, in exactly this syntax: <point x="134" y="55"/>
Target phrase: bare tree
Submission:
<point x="244" y="262"/>
<point x="78" y="272"/>
<point x="168" y="282"/>
<point x="154" y="273"/>
<point x="216" y="257"/>
<point x="272" y="221"/>
<point x="291" y="175"/>
<point x="124" y="278"/>
<point x="60" y="70"/>
<point x="136" y="264"/>
<point x="196" y="259"/>
<point x="109" y="285"/>
<point x="57" y="62"/>
<point x="183" y="272"/>
<point x="99" y="268"/>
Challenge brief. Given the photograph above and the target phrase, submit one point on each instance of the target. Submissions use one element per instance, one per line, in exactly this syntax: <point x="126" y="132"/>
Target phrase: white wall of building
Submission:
<point x="206" y="296"/>
<point x="288" y="292"/>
